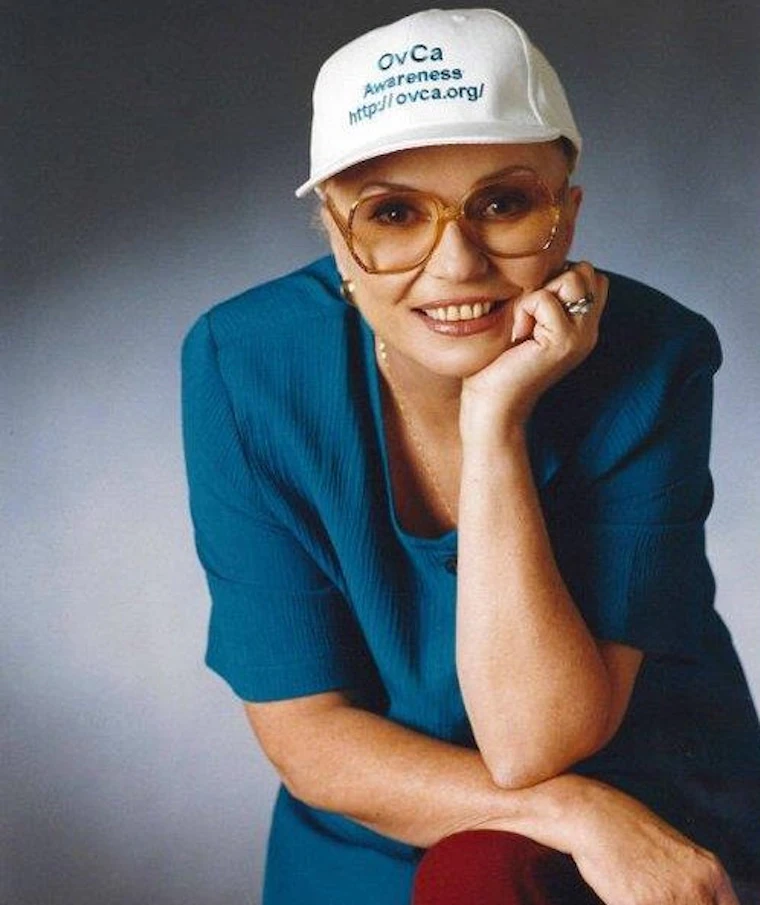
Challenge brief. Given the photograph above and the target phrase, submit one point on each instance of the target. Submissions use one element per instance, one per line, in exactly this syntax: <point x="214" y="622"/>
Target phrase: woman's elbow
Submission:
<point x="544" y="755"/>
<point x="515" y="773"/>
<point x="292" y="734"/>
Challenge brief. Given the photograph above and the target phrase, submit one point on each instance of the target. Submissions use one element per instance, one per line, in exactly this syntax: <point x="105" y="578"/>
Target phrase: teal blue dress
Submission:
<point x="315" y="585"/>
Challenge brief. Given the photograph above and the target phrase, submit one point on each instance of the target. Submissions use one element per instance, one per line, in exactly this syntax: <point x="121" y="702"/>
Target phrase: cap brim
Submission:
<point x="475" y="134"/>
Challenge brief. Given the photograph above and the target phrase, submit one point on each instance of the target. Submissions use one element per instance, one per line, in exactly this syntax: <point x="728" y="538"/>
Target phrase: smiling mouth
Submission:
<point x="464" y="312"/>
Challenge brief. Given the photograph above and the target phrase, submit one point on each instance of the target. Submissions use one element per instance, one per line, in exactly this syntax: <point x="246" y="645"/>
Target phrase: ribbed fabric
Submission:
<point x="315" y="585"/>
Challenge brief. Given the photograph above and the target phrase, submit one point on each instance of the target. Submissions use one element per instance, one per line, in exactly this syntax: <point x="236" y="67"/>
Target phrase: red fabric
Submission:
<point x="488" y="867"/>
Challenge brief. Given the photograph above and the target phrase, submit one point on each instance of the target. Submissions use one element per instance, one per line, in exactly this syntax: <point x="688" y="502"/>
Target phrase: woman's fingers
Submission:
<point x="564" y="314"/>
<point x="578" y="280"/>
<point x="547" y="307"/>
<point x="581" y="283"/>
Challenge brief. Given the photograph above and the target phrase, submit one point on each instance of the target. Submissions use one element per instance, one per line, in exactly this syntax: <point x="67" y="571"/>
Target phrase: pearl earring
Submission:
<point x="347" y="291"/>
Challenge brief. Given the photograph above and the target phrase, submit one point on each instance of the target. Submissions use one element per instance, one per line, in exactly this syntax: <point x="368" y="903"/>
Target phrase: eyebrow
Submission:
<point x="400" y="186"/>
<point x="376" y="184"/>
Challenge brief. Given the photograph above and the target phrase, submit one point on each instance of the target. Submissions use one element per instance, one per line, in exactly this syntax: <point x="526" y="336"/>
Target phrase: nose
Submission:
<point x="455" y="257"/>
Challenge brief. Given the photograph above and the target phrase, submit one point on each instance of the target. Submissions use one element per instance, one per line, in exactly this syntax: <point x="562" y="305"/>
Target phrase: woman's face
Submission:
<point x="457" y="272"/>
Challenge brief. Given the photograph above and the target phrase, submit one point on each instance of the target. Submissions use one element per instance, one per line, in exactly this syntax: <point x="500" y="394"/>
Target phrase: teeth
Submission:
<point x="459" y="312"/>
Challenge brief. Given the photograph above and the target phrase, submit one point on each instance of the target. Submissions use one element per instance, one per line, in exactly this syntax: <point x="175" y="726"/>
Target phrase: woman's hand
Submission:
<point x="548" y="343"/>
<point x="629" y="856"/>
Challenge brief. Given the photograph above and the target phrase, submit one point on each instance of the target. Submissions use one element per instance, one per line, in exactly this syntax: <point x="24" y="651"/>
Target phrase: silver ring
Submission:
<point x="579" y="307"/>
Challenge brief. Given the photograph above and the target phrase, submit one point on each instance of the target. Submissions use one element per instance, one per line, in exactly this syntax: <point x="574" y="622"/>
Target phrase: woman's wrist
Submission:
<point x="552" y="812"/>
<point x="485" y="431"/>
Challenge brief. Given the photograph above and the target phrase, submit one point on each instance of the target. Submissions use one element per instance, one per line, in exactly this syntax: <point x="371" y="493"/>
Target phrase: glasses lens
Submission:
<point x="514" y="216"/>
<point x="393" y="230"/>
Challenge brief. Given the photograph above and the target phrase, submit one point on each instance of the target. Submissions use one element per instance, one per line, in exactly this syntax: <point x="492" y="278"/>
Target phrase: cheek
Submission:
<point x="346" y="264"/>
<point x="382" y="299"/>
<point x="379" y="292"/>
<point x="343" y="259"/>
<point x="564" y="237"/>
<point x="566" y="230"/>
<point x="549" y="263"/>
<point x="534" y="272"/>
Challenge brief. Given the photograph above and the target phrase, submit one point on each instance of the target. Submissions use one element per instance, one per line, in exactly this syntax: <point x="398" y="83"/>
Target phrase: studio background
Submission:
<point x="151" y="153"/>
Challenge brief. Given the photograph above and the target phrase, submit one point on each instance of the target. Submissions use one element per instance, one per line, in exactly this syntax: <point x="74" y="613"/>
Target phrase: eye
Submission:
<point x="394" y="211"/>
<point x="502" y="203"/>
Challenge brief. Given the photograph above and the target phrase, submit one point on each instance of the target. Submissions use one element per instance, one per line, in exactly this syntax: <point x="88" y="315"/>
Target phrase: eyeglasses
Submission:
<point x="393" y="231"/>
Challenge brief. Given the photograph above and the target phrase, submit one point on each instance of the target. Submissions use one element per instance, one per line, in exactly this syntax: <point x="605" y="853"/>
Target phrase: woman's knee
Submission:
<point x="488" y="867"/>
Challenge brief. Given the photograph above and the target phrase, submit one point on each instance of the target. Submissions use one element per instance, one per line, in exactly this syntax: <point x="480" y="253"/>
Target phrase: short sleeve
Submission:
<point x="630" y="539"/>
<point x="278" y="628"/>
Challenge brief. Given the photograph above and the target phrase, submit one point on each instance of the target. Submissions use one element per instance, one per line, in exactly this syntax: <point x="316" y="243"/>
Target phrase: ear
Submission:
<point x="323" y="216"/>
<point x="317" y="221"/>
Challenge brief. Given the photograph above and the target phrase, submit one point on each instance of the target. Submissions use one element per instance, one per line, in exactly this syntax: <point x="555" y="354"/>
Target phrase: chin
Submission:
<point x="464" y="362"/>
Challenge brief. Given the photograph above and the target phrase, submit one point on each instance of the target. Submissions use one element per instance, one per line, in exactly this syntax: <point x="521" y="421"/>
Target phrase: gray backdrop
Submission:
<point x="150" y="161"/>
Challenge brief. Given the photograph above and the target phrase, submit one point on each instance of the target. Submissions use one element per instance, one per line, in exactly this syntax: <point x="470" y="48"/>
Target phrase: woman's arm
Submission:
<point x="416" y="789"/>
<point x="540" y="692"/>
<point x="398" y="782"/>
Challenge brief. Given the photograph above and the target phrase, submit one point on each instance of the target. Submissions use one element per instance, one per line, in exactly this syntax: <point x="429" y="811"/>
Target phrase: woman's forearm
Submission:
<point x="535" y="685"/>
<point x="398" y="782"/>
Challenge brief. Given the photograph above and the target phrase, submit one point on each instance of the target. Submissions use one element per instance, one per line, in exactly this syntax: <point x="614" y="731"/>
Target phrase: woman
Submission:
<point x="453" y="521"/>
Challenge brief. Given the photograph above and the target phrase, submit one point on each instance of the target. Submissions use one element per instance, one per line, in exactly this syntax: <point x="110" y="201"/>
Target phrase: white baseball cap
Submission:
<point x="439" y="77"/>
